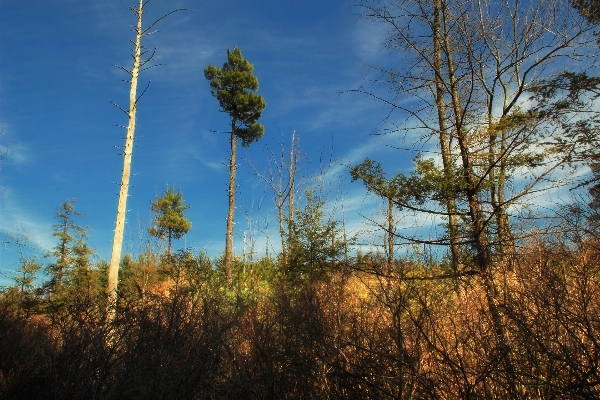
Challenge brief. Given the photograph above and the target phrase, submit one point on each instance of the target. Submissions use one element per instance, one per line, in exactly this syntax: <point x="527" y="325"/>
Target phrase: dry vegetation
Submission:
<point x="360" y="333"/>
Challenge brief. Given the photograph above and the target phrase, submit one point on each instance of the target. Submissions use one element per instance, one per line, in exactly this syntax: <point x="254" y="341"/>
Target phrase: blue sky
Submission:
<point x="61" y="135"/>
<point x="57" y="76"/>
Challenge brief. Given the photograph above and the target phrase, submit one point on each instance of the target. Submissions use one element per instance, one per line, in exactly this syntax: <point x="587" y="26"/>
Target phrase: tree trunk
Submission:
<point x="281" y="230"/>
<point x="478" y="223"/>
<point x="483" y="259"/>
<point x="231" y="212"/>
<point x="390" y="233"/>
<point x="291" y="188"/>
<point x="113" y="269"/>
<point x="444" y="138"/>
<point x="169" y="238"/>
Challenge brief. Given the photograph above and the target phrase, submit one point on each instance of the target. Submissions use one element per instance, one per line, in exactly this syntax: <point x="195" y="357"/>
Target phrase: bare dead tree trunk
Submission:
<point x="138" y="63"/>
<point x="113" y="269"/>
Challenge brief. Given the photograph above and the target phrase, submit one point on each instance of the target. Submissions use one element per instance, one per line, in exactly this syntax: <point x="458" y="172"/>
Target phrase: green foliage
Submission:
<point x="372" y="175"/>
<point x="427" y="182"/>
<point x="316" y="244"/>
<point x="71" y="252"/>
<point x="234" y="86"/>
<point x="186" y="272"/>
<point x="566" y="91"/>
<point x="102" y="267"/>
<point x="26" y="291"/>
<point x="138" y="275"/>
<point x="561" y="98"/>
<point x="83" y="277"/>
<point x="246" y="274"/>
<point x="589" y="9"/>
<point x="169" y="217"/>
<point x="253" y="278"/>
<point x="264" y="270"/>
<point x="27" y="274"/>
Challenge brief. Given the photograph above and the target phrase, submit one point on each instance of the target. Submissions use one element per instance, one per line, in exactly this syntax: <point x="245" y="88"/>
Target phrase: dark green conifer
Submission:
<point x="235" y="87"/>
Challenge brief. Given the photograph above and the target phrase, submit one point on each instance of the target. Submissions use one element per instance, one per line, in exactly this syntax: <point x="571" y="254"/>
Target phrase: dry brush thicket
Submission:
<point x="367" y="331"/>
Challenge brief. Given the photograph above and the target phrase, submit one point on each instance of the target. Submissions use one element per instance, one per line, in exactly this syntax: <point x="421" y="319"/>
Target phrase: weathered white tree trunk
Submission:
<point x="113" y="269"/>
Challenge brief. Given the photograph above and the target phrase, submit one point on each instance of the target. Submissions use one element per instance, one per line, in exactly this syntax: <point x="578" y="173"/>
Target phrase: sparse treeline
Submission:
<point x="511" y="309"/>
<point x="321" y="327"/>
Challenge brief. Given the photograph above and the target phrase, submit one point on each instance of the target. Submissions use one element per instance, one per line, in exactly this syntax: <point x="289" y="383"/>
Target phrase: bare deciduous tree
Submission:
<point x="281" y="179"/>
<point x="467" y="68"/>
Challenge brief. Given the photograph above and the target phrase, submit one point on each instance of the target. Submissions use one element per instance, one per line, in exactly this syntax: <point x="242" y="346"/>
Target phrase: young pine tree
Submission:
<point x="169" y="217"/>
<point x="25" y="288"/>
<point x="316" y="242"/>
<point x="70" y="250"/>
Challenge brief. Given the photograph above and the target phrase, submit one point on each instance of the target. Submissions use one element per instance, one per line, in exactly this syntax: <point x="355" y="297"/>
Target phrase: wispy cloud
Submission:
<point x="368" y="38"/>
<point x="14" y="151"/>
<point x="204" y="150"/>
<point x="19" y="226"/>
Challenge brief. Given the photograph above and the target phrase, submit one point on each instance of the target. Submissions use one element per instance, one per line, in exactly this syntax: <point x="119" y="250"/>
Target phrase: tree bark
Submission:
<point x="478" y="223"/>
<point x="291" y="188"/>
<point x="483" y="257"/>
<point x="231" y="212"/>
<point x="444" y="137"/>
<point x="390" y="233"/>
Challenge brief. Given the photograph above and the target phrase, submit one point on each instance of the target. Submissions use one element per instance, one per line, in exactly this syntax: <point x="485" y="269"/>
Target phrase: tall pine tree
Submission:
<point x="235" y="87"/>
